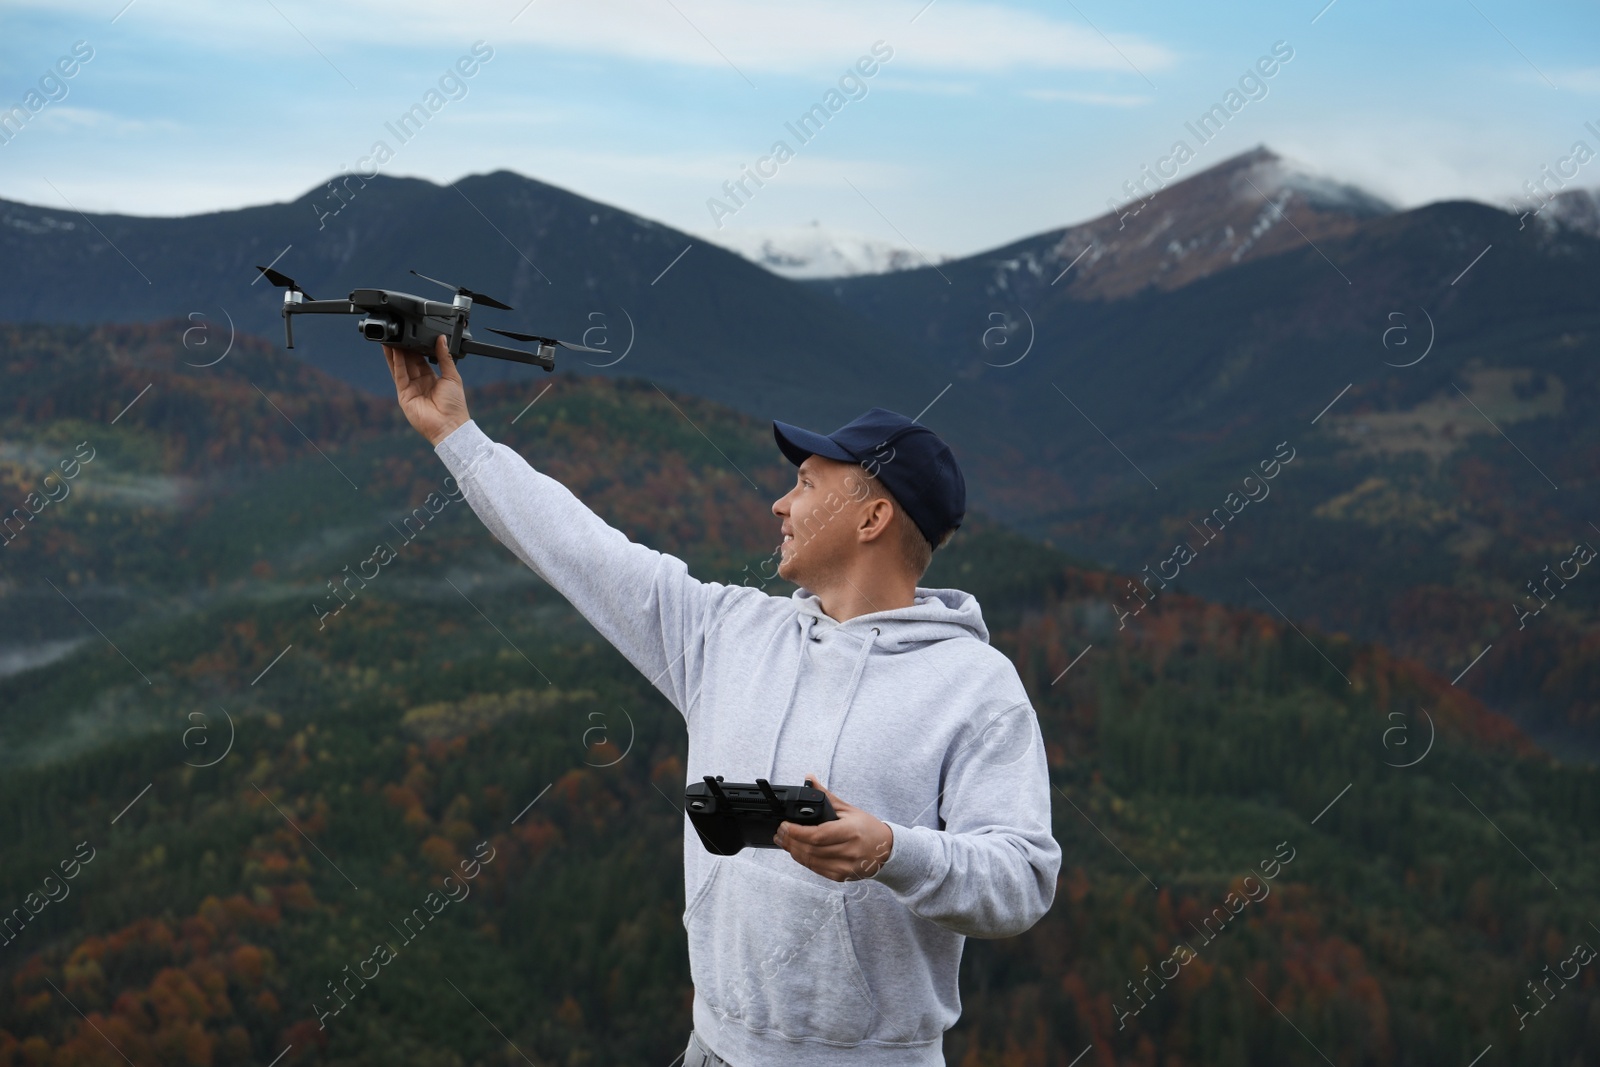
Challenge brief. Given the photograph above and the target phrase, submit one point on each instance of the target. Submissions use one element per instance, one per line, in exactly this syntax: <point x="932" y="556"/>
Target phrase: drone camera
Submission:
<point x="374" y="328"/>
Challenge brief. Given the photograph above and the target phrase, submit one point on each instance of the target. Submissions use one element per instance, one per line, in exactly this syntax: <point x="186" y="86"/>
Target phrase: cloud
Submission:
<point x="102" y="122"/>
<point x="1097" y="99"/>
<point x="953" y="35"/>
<point x="932" y="88"/>
<point x="1416" y="159"/>
<point x="1579" y="80"/>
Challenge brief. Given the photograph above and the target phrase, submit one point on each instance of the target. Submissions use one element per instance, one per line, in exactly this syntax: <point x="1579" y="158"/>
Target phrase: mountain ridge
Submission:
<point x="1069" y="397"/>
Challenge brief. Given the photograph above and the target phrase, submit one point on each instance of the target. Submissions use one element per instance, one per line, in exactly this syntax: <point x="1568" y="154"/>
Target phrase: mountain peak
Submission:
<point x="1272" y="173"/>
<point x="1229" y="213"/>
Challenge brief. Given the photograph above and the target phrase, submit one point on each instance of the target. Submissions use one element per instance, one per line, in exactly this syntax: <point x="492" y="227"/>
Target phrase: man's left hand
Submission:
<point x="846" y="849"/>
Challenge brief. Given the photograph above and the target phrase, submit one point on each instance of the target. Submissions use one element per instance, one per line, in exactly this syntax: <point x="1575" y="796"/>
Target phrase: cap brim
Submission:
<point x="797" y="444"/>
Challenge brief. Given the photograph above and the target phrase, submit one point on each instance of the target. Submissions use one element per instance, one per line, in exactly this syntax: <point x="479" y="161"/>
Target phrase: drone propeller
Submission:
<point x="547" y="340"/>
<point x="283" y="281"/>
<point x="476" y="298"/>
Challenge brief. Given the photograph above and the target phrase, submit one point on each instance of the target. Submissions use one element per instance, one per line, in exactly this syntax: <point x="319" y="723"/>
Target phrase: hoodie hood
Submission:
<point x="937" y="615"/>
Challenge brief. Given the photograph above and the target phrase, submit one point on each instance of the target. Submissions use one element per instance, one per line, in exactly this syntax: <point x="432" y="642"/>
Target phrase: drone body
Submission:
<point x="402" y="320"/>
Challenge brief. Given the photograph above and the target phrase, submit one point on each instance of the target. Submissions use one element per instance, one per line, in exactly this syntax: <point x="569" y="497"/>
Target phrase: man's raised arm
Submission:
<point x="642" y="601"/>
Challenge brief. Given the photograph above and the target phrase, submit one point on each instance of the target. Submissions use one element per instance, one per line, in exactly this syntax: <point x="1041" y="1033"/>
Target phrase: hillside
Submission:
<point x="1107" y="384"/>
<point x="262" y="791"/>
<point x="663" y="305"/>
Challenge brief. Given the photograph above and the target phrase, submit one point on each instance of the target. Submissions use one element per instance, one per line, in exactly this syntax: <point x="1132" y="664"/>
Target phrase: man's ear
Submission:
<point x="875" y="518"/>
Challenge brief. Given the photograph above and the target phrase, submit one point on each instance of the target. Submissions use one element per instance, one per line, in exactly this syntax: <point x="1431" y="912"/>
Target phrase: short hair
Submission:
<point x="915" y="549"/>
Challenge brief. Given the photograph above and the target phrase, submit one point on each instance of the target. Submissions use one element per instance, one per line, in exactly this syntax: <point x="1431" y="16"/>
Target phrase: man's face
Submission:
<point x="820" y="517"/>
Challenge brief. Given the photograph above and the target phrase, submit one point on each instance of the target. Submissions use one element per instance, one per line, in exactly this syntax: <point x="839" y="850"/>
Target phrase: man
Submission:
<point x="844" y="944"/>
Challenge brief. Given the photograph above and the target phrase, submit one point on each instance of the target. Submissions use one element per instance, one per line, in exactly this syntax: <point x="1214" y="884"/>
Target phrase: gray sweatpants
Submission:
<point x="697" y="1055"/>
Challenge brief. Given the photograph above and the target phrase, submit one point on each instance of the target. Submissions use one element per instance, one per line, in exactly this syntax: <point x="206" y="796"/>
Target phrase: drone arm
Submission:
<point x="303" y="306"/>
<point x="456" y="338"/>
<point x="322" y="307"/>
<point x="482" y="348"/>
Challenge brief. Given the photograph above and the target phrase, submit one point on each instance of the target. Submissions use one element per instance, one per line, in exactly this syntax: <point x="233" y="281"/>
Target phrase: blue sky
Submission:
<point x="989" y="122"/>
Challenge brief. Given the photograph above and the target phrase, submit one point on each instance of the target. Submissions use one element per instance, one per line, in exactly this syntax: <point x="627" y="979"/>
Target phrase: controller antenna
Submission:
<point x="772" y="798"/>
<point x="716" y="791"/>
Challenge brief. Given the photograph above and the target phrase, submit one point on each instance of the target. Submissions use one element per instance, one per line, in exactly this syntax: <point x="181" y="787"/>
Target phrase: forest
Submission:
<point x="1280" y="845"/>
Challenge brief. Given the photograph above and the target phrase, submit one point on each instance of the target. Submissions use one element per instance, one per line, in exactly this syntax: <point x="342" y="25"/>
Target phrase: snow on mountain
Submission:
<point x="1578" y="209"/>
<point x="816" y="251"/>
<point x="1271" y="172"/>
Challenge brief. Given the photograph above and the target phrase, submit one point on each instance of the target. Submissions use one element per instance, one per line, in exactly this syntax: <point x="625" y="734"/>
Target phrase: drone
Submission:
<point x="401" y="320"/>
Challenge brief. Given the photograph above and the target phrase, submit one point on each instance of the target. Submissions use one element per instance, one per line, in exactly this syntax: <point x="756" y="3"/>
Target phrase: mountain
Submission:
<point x="1229" y="214"/>
<point x="817" y="252"/>
<point x="240" y="782"/>
<point x="664" y="305"/>
<point x="1109" y="404"/>
<point x="1433" y="370"/>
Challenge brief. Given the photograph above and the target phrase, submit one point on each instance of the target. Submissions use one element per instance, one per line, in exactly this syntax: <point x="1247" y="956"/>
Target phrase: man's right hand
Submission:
<point x="435" y="405"/>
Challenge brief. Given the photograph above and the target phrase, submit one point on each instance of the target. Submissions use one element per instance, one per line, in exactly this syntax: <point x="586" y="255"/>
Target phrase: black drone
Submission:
<point x="401" y="320"/>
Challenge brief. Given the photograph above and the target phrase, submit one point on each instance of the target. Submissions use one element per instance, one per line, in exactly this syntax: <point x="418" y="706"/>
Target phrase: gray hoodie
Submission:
<point x="909" y="714"/>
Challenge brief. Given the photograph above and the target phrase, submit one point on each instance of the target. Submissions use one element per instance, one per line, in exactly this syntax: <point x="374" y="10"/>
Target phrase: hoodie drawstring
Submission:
<point x="794" y="685"/>
<point x="849" y="698"/>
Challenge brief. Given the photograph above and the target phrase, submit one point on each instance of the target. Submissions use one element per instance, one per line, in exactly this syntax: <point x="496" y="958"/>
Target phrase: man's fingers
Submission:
<point x="447" y="362"/>
<point x="396" y="368"/>
<point x="839" y="806"/>
<point x="819" y="836"/>
<point x="406" y="367"/>
<point x="816" y="780"/>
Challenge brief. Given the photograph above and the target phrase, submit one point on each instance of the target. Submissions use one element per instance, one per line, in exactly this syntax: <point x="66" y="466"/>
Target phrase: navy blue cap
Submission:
<point x="910" y="460"/>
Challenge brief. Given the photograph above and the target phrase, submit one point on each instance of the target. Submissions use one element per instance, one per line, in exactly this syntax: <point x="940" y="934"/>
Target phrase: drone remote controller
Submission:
<point x="401" y="320"/>
<point x="730" y="816"/>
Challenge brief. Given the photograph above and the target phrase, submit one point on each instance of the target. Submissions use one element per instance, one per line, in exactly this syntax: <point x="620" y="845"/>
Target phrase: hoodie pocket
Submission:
<point x="772" y="952"/>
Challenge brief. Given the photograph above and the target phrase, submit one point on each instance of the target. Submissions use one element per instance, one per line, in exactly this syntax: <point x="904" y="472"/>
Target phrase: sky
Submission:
<point x="979" y="123"/>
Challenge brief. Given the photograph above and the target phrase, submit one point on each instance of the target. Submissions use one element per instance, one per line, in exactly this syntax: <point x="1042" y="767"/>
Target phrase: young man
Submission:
<point x="843" y="945"/>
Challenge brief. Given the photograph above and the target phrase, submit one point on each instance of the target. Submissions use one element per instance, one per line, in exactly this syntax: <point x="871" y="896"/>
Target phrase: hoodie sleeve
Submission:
<point x="990" y="870"/>
<point x="642" y="601"/>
